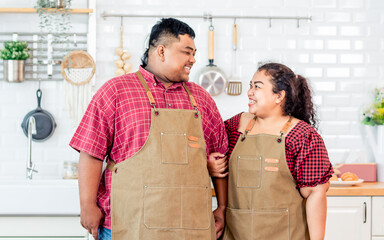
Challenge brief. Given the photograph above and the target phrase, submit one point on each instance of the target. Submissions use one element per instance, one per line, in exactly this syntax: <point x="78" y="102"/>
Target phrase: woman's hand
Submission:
<point x="217" y="165"/>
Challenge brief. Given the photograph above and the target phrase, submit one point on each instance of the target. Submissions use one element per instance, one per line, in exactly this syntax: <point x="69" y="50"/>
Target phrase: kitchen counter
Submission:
<point x="39" y="197"/>
<point x="362" y="189"/>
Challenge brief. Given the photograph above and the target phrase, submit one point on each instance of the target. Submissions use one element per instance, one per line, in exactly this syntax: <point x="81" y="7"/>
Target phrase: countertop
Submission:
<point x="362" y="189"/>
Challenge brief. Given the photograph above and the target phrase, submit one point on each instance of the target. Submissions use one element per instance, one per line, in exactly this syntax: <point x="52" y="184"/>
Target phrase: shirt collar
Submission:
<point x="150" y="78"/>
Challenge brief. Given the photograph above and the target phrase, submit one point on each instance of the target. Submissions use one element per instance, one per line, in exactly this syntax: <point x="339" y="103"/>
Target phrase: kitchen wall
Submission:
<point x="340" y="51"/>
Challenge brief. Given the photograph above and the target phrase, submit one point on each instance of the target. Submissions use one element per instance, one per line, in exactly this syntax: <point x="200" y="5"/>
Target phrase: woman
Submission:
<point x="278" y="163"/>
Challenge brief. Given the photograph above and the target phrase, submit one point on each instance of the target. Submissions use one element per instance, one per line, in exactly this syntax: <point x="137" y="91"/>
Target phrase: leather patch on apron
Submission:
<point x="271" y="160"/>
<point x="192" y="138"/>
<point x="194" y="145"/>
<point x="271" y="169"/>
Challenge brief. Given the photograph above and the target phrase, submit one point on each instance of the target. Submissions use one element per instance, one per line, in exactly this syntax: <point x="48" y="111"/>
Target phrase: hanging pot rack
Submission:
<point x="209" y="17"/>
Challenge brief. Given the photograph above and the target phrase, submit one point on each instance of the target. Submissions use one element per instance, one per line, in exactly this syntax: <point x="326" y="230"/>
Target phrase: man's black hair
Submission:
<point x="163" y="31"/>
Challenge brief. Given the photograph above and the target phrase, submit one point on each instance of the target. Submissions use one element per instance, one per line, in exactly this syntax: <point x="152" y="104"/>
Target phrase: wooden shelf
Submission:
<point x="33" y="10"/>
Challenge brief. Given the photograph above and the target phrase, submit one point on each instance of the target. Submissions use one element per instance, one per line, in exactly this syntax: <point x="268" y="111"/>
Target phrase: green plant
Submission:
<point x="15" y="50"/>
<point x="55" y="18"/>
<point x="374" y="114"/>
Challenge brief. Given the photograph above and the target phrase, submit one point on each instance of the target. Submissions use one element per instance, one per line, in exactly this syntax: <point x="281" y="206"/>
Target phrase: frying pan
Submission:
<point x="45" y="123"/>
<point x="212" y="78"/>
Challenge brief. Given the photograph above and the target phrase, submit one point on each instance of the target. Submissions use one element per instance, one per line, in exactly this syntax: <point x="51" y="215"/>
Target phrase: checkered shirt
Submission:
<point x="118" y="119"/>
<point x="306" y="155"/>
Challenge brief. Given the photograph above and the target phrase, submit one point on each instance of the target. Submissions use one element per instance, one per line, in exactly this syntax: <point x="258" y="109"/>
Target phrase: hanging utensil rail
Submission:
<point x="37" y="66"/>
<point x="208" y="16"/>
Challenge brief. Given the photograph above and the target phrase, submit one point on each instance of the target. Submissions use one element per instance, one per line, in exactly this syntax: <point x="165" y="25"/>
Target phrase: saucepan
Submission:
<point x="212" y="78"/>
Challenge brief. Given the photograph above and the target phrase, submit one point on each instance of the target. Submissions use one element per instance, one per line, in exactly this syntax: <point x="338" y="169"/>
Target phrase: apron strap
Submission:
<point x="248" y="128"/>
<point x="193" y="101"/>
<point x="147" y="91"/>
<point x="111" y="165"/>
<point x="286" y="126"/>
<point x="282" y="131"/>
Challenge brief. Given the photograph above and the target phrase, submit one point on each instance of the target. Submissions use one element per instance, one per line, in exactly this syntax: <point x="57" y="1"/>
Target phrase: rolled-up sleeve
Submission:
<point x="311" y="163"/>
<point x="94" y="134"/>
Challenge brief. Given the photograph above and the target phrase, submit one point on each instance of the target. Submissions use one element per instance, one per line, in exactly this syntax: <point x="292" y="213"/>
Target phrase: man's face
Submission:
<point x="178" y="60"/>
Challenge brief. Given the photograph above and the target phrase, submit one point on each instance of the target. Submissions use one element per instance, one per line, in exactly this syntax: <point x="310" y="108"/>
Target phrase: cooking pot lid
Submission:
<point x="213" y="81"/>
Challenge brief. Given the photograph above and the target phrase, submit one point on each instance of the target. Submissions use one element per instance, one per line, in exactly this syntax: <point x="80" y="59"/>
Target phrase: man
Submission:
<point x="155" y="129"/>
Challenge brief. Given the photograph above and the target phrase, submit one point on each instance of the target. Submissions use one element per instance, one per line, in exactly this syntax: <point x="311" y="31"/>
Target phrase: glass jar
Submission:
<point x="70" y="170"/>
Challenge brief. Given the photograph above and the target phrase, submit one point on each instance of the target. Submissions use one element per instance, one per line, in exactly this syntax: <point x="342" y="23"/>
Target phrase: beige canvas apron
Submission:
<point x="263" y="202"/>
<point x="163" y="192"/>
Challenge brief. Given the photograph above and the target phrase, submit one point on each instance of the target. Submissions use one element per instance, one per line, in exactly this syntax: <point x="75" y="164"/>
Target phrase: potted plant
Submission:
<point x="55" y="25"/>
<point x="54" y="17"/>
<point x="374" y="114"/>
<point x="14" y="55"/>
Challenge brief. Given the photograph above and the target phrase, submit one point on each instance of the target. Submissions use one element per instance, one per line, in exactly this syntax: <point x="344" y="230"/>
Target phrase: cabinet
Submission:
<point x="38" y="227"/>
<point x="378" y="218"/>
<point x="348" y="218"/>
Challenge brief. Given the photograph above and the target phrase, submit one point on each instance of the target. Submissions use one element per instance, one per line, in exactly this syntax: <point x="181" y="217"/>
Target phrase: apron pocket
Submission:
<point x="271" y="224"/>
<point x="177" y="207"/>
<point x="162" y="207"/>
<point x="239" y="223"/>
<point x="174" y="148"/>
<point x="248" y="224"/>
<point x="248" y="172"/>
<point x="196" y="207"/>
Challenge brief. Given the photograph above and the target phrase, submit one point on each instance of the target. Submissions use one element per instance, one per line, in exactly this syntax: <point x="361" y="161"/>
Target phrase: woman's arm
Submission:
<point x="316" y="209"/>
<point x="217" y="165"/>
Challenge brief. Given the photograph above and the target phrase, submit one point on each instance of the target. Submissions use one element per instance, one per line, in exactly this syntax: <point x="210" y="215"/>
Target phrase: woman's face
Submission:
<point x="262" y="100"/>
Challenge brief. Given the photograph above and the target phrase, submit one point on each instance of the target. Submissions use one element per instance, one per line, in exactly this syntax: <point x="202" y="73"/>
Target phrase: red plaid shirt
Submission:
<point x="118" y="120"/>
<point x="306" y="155"/>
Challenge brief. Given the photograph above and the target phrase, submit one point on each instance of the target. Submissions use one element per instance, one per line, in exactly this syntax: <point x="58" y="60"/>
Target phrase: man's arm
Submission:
<point x="316" y="209"/>
<point x="89" y="177"/>
<point x="221" y="189"/>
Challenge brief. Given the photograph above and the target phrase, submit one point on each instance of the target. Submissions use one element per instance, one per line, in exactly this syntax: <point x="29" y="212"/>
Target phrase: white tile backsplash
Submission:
<point x="339" y="44"/>
<point x="324" y="58"/>
<point x="343" y="4"/>
<point x="324" y="30"/>
<point x="338" y="72"/>
<point x="313" y="44"/>
<point x="352" y="58"/>
<point x="338" y="17"/>
<point x="340" y="51"/>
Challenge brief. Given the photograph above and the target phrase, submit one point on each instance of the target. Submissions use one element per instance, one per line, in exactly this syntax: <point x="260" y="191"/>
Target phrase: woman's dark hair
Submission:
<point x="163" y="31"/>
<point x="298" y="95"/>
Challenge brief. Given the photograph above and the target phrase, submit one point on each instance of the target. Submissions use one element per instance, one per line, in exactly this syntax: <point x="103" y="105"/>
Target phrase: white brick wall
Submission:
<point x="340" y="51"/>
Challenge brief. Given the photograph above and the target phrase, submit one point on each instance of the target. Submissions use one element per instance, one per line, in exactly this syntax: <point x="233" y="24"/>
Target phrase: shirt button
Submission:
<point x="169" y="105"/>
<point x="154" y="84"/>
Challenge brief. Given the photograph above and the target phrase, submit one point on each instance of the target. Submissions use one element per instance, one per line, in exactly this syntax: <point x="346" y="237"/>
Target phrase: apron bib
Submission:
<point x="263" y="201"/>
<point x="163" y="191"/>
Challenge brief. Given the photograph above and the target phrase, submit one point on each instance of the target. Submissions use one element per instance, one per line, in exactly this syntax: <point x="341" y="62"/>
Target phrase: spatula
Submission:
<point x="234" y="87"/>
